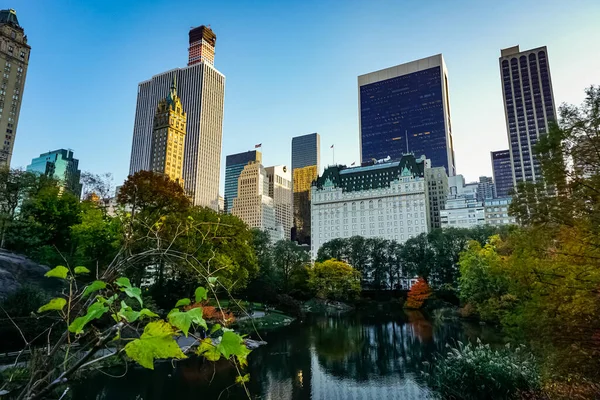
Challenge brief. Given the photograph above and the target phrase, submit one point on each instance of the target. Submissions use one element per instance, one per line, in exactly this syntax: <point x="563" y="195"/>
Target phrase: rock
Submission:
<point x="17" y="270"/>
<point x="254" y="344"/>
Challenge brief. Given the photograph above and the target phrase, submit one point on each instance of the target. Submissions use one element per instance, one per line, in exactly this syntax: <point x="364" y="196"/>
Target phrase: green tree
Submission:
<point x="334" y="280"/>
<point x="288" y="257"/>
<point x="15" y="187"/>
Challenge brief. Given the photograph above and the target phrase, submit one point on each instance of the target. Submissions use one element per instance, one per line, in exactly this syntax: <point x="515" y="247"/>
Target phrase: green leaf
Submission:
<point x="93" y="287"/>
<point x="94" y="311"/>
<point x="183" y="320"/>
<point x="81" y="270"/>
<point x="55" y="304"/>
<point x="57" y="272"/>
<point x="208" y="350"/>
<point x="200" y="294"/>
<point x="242" y="379"/>
<point x="232" y="344"/>
<point x="123" y="282"/>
<point x="135" y="293"/>
<point x="156" y="342"/>
<point x="215" y="328"/>
<point x="183" y="302"/>
<point x="108" y="301"/>
<point x="144" y="312"/>
<point x="127" y="313"/>
<point x="212" y="280"/>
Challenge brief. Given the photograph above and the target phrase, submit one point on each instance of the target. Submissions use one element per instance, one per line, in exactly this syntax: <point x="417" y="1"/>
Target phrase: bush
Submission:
<point x="289" y="306"/>
<point x="479" y="372"/>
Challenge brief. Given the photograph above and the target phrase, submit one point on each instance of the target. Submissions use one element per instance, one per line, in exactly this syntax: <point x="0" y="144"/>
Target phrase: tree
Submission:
<point x="334" y="280"/>
<point x="418" y="257"/>
<point x="288" y="257"/>
<point x="418" y="293"/>
<point x="97" y="187"/>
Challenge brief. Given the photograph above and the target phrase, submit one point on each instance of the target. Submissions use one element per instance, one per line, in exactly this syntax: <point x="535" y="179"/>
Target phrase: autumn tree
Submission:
<point x="419" y="292"/>
<point x="334" y="280"/>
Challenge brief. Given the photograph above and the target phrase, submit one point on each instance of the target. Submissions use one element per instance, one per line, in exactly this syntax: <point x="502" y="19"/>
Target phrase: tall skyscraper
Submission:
<point x="201" y="89"/>
<point x="406" y="109"/>
<point x="14" y="56"/>
<point x="437" y="187"/>
<point x="60" y="165"/>
<point x="528" y="106"/>
<point x="502" y="170"/>
<point x="169" y="136"/>
<point x="306" y="156"/>
<point x="253" y="205"/>
<point x="485" y="188"/>
<point x="280" y="190"/>
<point x="234" y="165"/>
<point x="202" y="45"/>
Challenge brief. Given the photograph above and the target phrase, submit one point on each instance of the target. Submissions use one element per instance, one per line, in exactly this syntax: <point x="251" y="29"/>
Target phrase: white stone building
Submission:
<point x="280" y="190"/>
<point x="253" y="204"/>
<point x="384" y="200"/>
<point x="496" y="212"/>
<point x="462" y="210"/>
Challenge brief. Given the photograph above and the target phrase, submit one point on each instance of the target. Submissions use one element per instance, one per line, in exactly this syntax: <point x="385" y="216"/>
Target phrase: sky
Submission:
<point x="291" y="68"/>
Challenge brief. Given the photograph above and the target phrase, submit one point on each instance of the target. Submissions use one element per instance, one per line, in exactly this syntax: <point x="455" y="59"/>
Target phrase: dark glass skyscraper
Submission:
<point x="528" y="105"/>
<point x="60" y="165"/>
<point x="306" y="153"/>
<point x="234" y="165"/>
<point x="502" y="170"/>
<point x="406" y="109"/>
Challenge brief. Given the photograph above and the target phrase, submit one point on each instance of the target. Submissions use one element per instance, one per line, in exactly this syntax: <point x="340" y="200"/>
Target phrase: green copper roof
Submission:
<point x="371" y="176"/>
<point x="9" y="17"/>
<point x="173" y="92"/>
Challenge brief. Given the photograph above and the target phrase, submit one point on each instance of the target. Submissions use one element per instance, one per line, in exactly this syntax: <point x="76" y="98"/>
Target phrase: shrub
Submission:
<point x="479" y="372"/>
<point x="289" y="306"/>
<point x="419" y="292"/>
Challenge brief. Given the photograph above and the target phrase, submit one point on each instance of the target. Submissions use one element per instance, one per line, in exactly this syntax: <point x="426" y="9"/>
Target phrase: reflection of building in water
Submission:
<point x="278" y="389"/>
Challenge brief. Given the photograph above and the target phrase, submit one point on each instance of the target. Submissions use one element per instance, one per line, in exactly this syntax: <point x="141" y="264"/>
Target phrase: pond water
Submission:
<point x="354" y="356"/>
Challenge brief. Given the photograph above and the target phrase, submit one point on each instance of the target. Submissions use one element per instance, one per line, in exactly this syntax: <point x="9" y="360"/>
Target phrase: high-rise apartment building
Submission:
<point x="382" y="200"/>
<point x="14" y="59"/>
<point x="306" y="156"/>
<point x="437" y="186"/>
<point x="168" y="137"/>
<point x="253" y="205"/>
<point x="62" y="166"/>
<point x="406" y="109"/>
<point x="234" y="165"/>
<point x="462" y="209"/>
<point x="528" y="105"/>
<point x="202" y="45"/>
<point x="502" y="171"/>
<point x="280" y="190"/>
<point x="201" y="89"/>
<point x="486" y="188"/>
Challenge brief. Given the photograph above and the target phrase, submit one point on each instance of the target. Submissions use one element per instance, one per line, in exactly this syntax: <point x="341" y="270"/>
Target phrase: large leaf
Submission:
<point x="55" y="304"/>
<point x="156" y="342"/>
<point x="135" y="293"/>
<point x="232" y="344"/>
<point x="123" y="282"/>
<point x="183" y="302"/>
<point x="93" y="287"/>
<point x="183" y="320"/>
<point x="127" y="313"/>
<point x="59" y="271"/>
<point x="81" y="270"/>
<point x="208" y="350"/>
<point x="94" y="311"/>
<point x="144" y="312"/>
<point x="200" y="294"/>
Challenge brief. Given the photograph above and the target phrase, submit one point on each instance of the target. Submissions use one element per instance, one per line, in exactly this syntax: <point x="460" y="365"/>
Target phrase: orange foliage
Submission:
<point x="213" y="314"/>
<point x="419" y="292"/>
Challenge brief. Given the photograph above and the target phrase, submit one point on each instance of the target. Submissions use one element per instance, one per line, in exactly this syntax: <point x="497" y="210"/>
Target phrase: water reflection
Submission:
<point x="326" y="357"/>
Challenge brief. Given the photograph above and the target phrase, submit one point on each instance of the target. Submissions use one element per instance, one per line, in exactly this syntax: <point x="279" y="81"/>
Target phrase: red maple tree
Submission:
<point x="419" y="292"/>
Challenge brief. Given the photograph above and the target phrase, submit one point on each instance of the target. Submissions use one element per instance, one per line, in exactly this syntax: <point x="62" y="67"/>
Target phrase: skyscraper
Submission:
<point x="406" y="109"/>
<point x="60" y="165"/>
<point x="234" y="165"/>
<point x="486" y="188"/>
<point x="201" y="89"/>
<point x="14" y="58"/>
<point x="528" y="106"/>
<point x="169" y="136"/>
<point x="306" y="155"/>
<point x="502" y="170"/>
<point x="437" y="187"/>
<point x="253" y="205"/>
<point x="280" y="190"/>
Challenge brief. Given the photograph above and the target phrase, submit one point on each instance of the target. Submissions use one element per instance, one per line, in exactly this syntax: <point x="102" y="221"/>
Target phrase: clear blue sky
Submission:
<point x="291" y="68"/>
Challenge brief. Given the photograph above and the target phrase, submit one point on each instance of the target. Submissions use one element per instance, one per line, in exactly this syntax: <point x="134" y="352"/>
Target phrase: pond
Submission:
<point x="353" y="356"/>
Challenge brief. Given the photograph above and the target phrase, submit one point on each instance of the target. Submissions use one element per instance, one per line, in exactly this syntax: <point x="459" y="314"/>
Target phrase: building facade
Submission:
<point x="486" y="188"/>
<point x="234" y="165"/>
<point x="406" y="109"/>
<point x="14" y="59"/>
<point x="168" y="136"/>
<point x="253" y="204"/>
<point x="280" y="190"/>
<point x="201" y="89"/>
<point x="62" y="166"/>
<point x="528" y="106"/>
<point x="502" y="171"/>
<point x="306" y="156"/>
<point x="387" y="200"/>
<point x="462" y="209"/>
<point x="437" y="186"/>
<point x="496" y="212"/>
<point x="202" y="45"/>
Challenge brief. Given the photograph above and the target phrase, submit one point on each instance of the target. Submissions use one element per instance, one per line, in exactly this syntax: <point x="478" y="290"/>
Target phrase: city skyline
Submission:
<point x="476" y="99"/>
